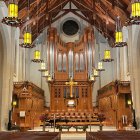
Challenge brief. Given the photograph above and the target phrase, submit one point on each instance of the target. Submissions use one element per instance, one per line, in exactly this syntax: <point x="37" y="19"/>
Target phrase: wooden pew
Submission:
<point x="30" y="136"/>
<point x="113" y="135"/>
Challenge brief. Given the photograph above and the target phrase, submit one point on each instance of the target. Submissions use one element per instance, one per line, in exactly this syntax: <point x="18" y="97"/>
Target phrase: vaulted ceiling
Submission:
<point x="101" y="13"/>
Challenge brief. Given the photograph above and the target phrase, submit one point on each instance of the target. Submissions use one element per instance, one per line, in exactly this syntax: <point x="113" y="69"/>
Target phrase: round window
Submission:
<point x="70" y="27"/>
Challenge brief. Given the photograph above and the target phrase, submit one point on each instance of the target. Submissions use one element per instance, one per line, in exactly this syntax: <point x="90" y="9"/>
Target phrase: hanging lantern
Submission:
<point x="12" y="19"/>
<point x="46" y="73"/>
<point x="43" y="67"/>
<point x="107" y="56"/>
<point x="13" y="10"/>
<point x="27" y="40"/>
<point x="119" y="34"/>
<point x="91" y="78"/>
<point x="135" y="13"/>
<point x="37" y="57"/>
<point x="135" y="9"/>
<point x="95" y="73"/>
<point x="100" y="66"/>
<point x="118" y="37"/>
<point x="49" y="78"/>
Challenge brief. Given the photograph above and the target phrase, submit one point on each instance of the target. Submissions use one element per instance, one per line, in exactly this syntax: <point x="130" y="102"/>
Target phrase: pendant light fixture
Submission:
<point x="119" y="34"/>
<point x="92" y="78"/>
<point x="46" y="74"/>
<point x="37" y="52"/>
<point x="100" y="66"/>
<point x="37" y="57"/>
<point x="135" y="13"/>
<point x="27" y="39"/>
<point x="107" y="56"/>
<point x="12" y="18"/>
<point x="27" y="34"/>
<point x="95" y="73"/>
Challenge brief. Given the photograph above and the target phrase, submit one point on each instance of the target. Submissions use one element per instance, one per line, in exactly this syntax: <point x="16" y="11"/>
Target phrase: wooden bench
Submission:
<point x="30" y="136"/>
<point x="113" y="135"/>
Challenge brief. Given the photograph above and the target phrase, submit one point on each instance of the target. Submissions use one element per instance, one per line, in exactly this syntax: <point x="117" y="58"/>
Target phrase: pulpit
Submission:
<point x="28" y="105"/>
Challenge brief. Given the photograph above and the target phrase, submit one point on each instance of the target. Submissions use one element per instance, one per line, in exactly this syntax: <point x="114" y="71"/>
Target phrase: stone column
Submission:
<point x="134" y="66"/>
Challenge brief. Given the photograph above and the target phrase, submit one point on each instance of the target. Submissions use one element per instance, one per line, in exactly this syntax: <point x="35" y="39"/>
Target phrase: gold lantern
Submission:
<point x="46" y="73"/>
<point x="107" y="56"/>
<point x="37" y="54"/>
<point x="13" y="10"/>
<point x="43" y="67"/>
<point x="37" y="57"/>
<point x="12" y="18"/>
<point x="27" y="38"/>
<point x="100" y="66"/>
<point x="135" y="9"/>
<point x="135" y="13"/>
<point x="95" y="73"/>
<point x="49" y="78"/>
<point x="118" y="37"/>
<point x="119" y="34"/>
<point x="91" y="78"/>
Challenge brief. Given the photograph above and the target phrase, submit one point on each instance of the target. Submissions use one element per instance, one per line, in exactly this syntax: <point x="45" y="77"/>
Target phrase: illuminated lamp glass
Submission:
<point x="49" y="78"/>
<point x="13" y="10"/>
<point x="43" y="65"/>
<point x="27" y="38"/>
<point x="135" y="9"/>
<point x="118" y="37"/>
<point x="46" y="73"/>
<point x="92" y="78"/>
<point x="95" y="73"/>
<point x="37" y="54"/>
<point x="107" y="54"/>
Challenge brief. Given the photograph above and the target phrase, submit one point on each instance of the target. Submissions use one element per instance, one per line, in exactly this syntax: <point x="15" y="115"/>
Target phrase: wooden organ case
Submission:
<point x="28" y="105"/>
<point x="70" y="60"/>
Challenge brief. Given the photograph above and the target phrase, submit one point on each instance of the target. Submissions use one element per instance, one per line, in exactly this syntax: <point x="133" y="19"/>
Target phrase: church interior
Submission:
<point x="69" y="69"/>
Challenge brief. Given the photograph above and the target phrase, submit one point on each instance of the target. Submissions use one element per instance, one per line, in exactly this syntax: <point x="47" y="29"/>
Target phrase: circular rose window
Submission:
<point x="70" y="27"/>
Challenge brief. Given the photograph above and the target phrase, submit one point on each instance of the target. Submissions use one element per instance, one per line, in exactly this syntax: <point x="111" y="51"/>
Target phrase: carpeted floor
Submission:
<point x="73" y="136"/>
